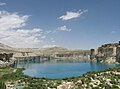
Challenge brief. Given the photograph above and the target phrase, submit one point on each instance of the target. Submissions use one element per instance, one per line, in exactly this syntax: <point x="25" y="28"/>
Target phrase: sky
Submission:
<point x="73" y="24"/>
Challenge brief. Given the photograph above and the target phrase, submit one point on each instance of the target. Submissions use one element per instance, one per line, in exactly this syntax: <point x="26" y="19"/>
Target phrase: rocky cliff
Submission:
<point x="53" y="52"/>
<point x="109" y="53"/>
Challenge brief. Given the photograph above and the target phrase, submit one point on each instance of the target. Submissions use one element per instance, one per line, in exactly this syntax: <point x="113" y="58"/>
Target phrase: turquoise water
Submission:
<point x="61" y="69"/>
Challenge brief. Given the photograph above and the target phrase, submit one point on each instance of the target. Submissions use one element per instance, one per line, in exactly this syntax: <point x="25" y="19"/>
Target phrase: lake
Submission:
<point x="61" y="69"/>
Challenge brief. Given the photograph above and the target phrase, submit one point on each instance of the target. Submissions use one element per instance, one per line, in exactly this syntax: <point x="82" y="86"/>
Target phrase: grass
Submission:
<point x="5" y="70"/>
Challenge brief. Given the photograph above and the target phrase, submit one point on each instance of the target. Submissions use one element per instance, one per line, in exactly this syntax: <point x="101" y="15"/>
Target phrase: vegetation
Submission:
<point x="2" y="85"/>
<point x="108" y="79"/>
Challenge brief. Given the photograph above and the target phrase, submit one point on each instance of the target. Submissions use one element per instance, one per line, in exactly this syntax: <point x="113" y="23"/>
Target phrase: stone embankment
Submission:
<point x="109" y="53"/>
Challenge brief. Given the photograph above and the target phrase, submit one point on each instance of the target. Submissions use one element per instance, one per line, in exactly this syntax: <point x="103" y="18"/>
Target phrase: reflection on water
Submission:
<point x="59" y="68"/>
<point x="100" y="66"/>
<point x="26" y="63"/>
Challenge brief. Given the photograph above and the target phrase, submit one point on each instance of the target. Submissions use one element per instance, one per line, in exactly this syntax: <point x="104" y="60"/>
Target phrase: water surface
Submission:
<point x="62" y="69"/>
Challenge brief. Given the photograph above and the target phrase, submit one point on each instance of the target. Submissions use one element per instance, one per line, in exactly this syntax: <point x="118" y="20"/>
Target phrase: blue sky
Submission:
<point x="78" y="24"/>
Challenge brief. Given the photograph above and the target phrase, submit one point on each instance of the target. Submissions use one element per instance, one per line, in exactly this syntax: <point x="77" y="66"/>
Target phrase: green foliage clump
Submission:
<point x="2" y="85"/>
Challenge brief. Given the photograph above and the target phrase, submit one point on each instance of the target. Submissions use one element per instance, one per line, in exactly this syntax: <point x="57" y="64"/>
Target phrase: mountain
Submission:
<point x="40" y="51"/>
<point x="55" y="49"/>
<point x="3" y="46"/>
<point x="6" y="49"/>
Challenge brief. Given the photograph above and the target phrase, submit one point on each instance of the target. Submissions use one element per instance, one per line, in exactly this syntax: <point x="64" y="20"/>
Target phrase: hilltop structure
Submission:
<point x="109" y="53"/>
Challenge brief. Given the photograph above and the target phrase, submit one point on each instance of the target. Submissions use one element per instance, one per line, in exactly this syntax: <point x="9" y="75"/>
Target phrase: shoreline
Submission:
<point x="16" y="78"/>
<point x="84" y="81"/>
<point x="69" y="59"/>
<point x="74" y="63"/>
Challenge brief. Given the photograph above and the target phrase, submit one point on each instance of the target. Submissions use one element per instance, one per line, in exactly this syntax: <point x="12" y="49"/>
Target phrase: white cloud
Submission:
<point x="52" y="38"/>
<point x="11" y="20"/>
<point x="43" y="37"/>
<point x="2" y="4"/>
<point x="53" y="41"/>
<point x="64" y="28"/>
<point x="49" y="46"/>
<point x="113" y="32"/>
<point x="22" y="38"/>
<point x="47" y="32"/>
<point x="71" y="14"/>
<point x="11" y="34"/>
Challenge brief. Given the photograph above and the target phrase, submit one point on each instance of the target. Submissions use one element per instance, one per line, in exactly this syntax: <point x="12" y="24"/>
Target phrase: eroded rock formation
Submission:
<point x="108" y="53"/>
<point x="5" y="56"/>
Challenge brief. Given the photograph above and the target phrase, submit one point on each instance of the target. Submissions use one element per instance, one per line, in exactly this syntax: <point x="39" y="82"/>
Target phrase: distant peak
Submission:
<point x="4" y="46"/>
<point x="50" y="46"/>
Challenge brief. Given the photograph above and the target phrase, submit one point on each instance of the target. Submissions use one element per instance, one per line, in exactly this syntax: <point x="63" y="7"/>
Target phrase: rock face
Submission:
<point x="6" y="56"/>
<point x="53" y="52"/>
<point x="118" y="54"/>
<point x="108" y="53"/>
<point x="68" y="85"/>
